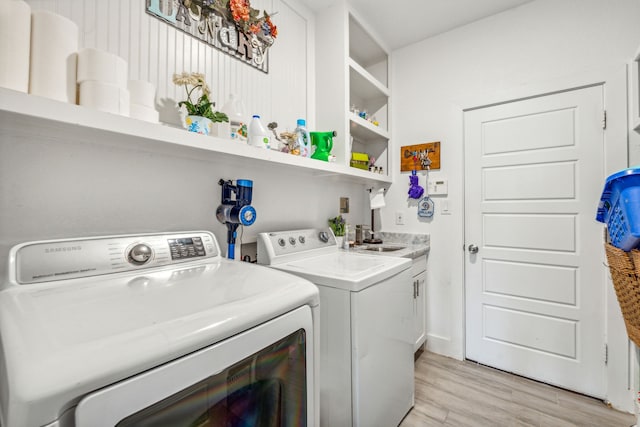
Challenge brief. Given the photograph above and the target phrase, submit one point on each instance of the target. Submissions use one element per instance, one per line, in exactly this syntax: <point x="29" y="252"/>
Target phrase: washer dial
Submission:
<point x="140" y="254"/>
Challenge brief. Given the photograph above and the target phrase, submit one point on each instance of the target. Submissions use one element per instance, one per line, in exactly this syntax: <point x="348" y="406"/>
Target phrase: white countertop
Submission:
<point x="413" y="245"/>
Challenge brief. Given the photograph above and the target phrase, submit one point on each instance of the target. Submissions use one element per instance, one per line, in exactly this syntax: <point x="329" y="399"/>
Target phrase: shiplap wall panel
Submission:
<point x="288" y="66"/>
<point x="155" y="51"/>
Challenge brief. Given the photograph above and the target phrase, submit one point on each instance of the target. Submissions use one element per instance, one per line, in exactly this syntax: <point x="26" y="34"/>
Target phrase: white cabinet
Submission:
<point x="352" y="75"/>
<point x="419" y="272"/>
<point x="635" y="92"/>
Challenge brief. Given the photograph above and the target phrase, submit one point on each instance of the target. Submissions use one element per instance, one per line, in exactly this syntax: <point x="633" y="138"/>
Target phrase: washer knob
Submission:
<point x="140" y="254"/>
<point x="323" y="236"/>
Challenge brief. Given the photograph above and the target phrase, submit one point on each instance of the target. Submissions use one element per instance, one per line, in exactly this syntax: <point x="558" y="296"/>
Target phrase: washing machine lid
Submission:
<point x="349" y="271"/>
<point x="63" y="339"/>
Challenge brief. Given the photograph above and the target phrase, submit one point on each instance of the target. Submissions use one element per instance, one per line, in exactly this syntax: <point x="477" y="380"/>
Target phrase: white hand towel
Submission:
<point x="376" y="198"/>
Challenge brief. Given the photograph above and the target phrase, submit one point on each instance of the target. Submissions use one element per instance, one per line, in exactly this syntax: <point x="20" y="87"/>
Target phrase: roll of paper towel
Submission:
<point x="142" y="93"/>
<point x="104" y="97"/>
<point x="376" y="198"/>
<point x="54" y="46"/>
<point x="15" y="44"/>
<point x="142" y="112"/>
<point x="102" y="66"/>
<point x="124" y="101"/>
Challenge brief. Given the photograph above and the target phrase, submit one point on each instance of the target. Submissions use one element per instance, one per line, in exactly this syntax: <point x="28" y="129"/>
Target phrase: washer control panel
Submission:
<point x="45" y="261"/>
<point x="283" y="243"/>
<point x="186" y="247"/>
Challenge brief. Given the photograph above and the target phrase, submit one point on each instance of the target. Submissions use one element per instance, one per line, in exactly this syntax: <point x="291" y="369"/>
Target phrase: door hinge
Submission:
<point x="604" y="119"/>
<point x="606" y="354"/>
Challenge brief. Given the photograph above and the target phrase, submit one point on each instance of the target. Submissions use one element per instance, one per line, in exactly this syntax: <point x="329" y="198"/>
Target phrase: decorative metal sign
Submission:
<point x="230" y="26"/>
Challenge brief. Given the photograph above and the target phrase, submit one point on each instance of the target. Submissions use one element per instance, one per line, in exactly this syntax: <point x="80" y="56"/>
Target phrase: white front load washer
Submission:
<point x="366" y="323"/>
<point x="153" y="329"/>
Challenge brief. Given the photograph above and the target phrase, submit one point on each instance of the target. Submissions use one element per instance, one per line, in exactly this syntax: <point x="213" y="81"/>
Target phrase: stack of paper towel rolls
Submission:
<point x="15" y="37"/>
<point x="102" y="81"/>
<point x="54" y="43"/>
<point x="143" y="100"/>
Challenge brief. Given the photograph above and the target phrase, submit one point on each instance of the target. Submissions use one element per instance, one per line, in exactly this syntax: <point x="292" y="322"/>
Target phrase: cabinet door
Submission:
<point x="635" y="91"/>
<point x="419" y="310"/>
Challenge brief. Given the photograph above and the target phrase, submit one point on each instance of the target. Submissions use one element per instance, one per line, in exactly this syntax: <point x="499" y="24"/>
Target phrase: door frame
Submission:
<point x="620" y="368"/>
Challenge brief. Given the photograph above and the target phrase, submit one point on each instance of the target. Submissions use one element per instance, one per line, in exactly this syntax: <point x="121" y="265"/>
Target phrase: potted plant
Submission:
<point x="338" y="226"/>
<point x="201" y="117"/>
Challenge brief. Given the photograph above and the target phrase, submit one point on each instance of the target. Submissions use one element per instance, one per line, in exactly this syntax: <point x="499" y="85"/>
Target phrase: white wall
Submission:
<point x="54" y="189"/>
<point x="494" y="58"/>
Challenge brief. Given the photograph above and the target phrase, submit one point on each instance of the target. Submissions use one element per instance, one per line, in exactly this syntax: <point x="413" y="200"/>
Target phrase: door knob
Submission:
<point x="473" y="249"/>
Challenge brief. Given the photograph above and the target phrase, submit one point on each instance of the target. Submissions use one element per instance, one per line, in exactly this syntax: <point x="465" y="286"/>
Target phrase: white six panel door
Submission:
<point x="535" y="289"/>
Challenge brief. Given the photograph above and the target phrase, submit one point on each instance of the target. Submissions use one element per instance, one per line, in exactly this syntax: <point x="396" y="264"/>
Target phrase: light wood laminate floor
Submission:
<point x="454" y="393"/>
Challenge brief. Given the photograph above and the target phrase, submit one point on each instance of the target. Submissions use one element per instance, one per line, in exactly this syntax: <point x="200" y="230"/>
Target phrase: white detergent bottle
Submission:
<point x="304" y="141"/>
<point x="257" y="133"/>
<point x="234" y="109"/>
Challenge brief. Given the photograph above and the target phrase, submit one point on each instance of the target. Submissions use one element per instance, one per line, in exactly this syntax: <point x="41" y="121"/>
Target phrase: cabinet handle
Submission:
<point x="415" y="289"/>
<point x="418" y="287"/>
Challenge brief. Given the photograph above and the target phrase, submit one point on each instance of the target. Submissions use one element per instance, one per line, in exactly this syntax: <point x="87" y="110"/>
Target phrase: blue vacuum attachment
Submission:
<point x="234" y="212"/>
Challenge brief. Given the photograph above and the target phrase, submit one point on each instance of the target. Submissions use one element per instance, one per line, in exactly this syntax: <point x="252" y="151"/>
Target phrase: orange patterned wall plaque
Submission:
<point x="420" y="156"/>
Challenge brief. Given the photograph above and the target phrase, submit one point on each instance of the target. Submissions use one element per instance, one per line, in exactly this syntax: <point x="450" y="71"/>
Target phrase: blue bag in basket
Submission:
<point x="619" y="208"/>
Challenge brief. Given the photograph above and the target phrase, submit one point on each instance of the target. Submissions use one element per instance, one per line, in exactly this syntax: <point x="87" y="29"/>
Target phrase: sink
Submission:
<point x="383" y="248"/>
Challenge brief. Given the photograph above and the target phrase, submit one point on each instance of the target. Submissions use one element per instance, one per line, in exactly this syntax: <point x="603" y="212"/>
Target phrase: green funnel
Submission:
<point x="323" y="142"/>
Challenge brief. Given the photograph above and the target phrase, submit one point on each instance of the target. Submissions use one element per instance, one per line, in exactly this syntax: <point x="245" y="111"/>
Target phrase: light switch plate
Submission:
<point x="444" y="207"/>
<point x="399" y="218"/>
<point x="344" y="205"/>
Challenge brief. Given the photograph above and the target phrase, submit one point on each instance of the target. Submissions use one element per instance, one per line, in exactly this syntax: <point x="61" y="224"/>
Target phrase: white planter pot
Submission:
<point x="198" y="124"/>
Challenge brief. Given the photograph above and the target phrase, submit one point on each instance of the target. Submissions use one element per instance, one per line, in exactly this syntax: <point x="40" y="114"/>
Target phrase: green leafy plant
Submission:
<point x="337" y="224"/>
<point x="202" y="106"/>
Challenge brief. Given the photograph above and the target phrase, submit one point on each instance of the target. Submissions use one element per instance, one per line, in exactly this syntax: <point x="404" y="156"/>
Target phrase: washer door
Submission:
<point x="263" y="376"/>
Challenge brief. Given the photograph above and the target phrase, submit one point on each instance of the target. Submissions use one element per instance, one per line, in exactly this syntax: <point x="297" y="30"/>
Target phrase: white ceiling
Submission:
<point x="402" y="22"/>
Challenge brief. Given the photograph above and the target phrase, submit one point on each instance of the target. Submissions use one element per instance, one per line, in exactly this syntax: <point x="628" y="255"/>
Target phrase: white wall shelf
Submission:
<point x="366" y="131"/>
<point x="28" y="116"/>
<point x="365" y="84"/>
<point x="362" y="47"/>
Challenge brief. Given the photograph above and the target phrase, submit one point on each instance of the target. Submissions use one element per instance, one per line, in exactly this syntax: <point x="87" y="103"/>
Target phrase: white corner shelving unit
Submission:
<point x="29" y="116"/>
<point x="352" y="71"/>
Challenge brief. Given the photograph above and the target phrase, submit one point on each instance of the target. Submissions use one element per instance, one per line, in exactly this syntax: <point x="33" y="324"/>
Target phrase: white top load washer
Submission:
<point x="105" y="331"/>
<point x="366" y="309"/>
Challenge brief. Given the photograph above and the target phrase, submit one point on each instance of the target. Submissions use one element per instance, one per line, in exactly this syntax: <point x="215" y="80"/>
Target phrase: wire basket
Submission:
<point x="625" y="273"/>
